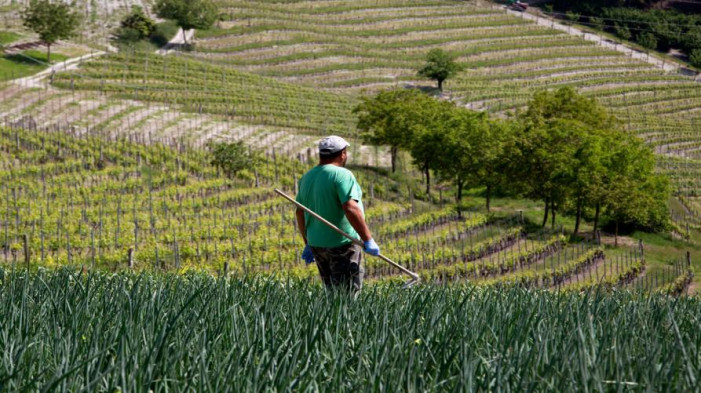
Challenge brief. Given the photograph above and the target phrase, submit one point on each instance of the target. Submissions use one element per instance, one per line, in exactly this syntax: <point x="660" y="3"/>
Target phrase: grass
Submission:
<point x="124" y="332"/>
<point x="8" y="37"/>
<point x="26" y="63"/>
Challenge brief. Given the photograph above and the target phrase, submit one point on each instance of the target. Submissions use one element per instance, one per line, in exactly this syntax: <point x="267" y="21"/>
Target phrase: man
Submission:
<point x="331" y="191"/>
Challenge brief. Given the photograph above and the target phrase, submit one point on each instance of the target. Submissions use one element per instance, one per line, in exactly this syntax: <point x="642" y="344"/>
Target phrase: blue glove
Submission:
<point x="372" y="248"/>
<point x="307" y="254"/>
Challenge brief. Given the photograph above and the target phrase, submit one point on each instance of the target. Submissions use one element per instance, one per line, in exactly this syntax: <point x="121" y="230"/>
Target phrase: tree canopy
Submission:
<point x="189" y="14"/>
<point x="439" y="67"/>
<point x="136" y="26"/>
<point x="232" y="158"/>
<point x="52" y="21"/>
<point x="564" y="150"/>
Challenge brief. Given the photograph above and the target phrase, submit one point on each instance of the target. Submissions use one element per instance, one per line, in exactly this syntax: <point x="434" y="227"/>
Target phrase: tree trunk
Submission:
<point x="48" y="53"/>
<point x="579" y="217"/>
<point x="596" y="218"/>
<point x="428" y="180"/>
<point x="393" y="156"/>
<point x="489" y="196"/>
<point x="615" y="238"/>
<point x="440" y="84"/>
<point x="552" y="218"/>
<point x="545" y="216"/>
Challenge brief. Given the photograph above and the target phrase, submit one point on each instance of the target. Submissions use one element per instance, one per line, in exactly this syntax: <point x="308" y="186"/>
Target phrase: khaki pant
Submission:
<point x="340" y="267"/>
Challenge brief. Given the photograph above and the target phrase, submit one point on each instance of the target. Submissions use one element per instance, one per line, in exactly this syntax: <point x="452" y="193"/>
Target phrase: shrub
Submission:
<point x="695" y="58"/>
<point x="648" y="40"/>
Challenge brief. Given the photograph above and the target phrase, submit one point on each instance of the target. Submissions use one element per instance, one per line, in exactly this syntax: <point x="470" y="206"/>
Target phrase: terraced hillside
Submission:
<point x="96" y="201"/>
<point x="293" y="70"/>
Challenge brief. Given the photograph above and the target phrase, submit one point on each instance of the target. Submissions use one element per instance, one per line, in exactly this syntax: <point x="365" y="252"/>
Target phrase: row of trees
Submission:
<point x="657" y="29"/>
<point x="54" y="20"/>
<point x="564" y="150"/>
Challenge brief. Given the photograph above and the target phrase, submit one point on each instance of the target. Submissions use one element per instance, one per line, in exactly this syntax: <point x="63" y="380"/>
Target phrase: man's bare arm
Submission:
<point x="355" y="216"/>
<point x="301" y="225"/>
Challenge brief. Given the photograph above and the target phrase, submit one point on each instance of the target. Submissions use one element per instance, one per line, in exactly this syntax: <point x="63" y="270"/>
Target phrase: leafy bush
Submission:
<point x="648" y="40"/>
<point x="232" y="158"/>
<point x="695" y="58"/>
<point x="623" y="31"/>
<point x="138" y="23"/>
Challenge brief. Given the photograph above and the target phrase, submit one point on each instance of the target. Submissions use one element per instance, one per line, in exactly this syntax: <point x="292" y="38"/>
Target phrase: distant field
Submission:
<point x="293" y="71"/>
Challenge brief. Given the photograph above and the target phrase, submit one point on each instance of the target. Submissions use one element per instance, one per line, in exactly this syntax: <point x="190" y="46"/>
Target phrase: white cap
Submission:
<point x="332" y="144"/>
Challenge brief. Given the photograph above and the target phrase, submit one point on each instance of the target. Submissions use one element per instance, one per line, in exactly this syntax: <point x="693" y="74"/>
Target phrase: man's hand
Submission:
<point x="372" y="248"/>
<point x="307" y="254"/>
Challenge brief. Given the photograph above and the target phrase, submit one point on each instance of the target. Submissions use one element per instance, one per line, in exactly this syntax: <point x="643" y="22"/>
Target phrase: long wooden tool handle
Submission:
<point x="354" y="240"/>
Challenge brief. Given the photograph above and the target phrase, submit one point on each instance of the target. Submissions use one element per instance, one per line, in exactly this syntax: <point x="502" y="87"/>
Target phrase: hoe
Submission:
<point x="414" y="277"/>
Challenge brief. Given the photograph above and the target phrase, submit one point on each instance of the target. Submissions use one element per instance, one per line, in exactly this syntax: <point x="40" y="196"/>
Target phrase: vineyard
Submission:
<point x="96" y="201"/>
<point x="282" y="73"/>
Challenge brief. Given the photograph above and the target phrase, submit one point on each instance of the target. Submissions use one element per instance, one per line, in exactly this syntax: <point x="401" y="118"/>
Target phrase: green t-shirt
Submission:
<point x="324" y="190"/>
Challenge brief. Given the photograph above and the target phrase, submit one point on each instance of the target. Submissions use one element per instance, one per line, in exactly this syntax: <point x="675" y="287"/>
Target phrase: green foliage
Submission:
<point x="648" y="40"/>
<point x="8" y="37"/>
<point x="570" y="149"/>
<point x="390" y="118"/>
<point x="52" y="21"/>
<point x="65" y="330"/>
<point x="572" y="16"/>
<point x="439" y="66"/>
<point x="459" y="156"/>
<point x="136" y="26"/>
<point x="597" y="23"/>
<point x="623" y="31"/>
<point x="695" y="58"/>
<point x="232" y="157"/>
<point x="190" y="14"/>
<point x="565" y="103"/>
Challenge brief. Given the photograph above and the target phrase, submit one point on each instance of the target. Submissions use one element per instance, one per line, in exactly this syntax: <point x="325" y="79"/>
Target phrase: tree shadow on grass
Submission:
<point x="21" y="59"/>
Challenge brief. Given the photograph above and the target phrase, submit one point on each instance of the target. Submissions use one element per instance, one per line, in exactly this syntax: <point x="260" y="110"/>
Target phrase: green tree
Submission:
<point x="623" y="32"/>
<point x="439" y="67"/>
<point x="427" y="134"/>
<point x="544" y="150"/>
<point x="572" y="16"/>
<point x="52" y="21"/>
<point x="232" y="158"/>
<point x="695" y="58"/>
<point x="458" y="158"/>
<point x="541" y="162"/>
<point x="490" y="145"/>
<point x="636" y="194"/>
<point x="648" y="40"/>
<point x="136" y="26"/>
<point x="565" y="103"/>
<point x="189" y="14"/>
<point x="390" y="118"/>
<point x="597" y="23"/>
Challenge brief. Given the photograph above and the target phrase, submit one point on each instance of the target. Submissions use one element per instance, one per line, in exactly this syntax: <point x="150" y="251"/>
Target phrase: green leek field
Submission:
<point x="66" y="331"/>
